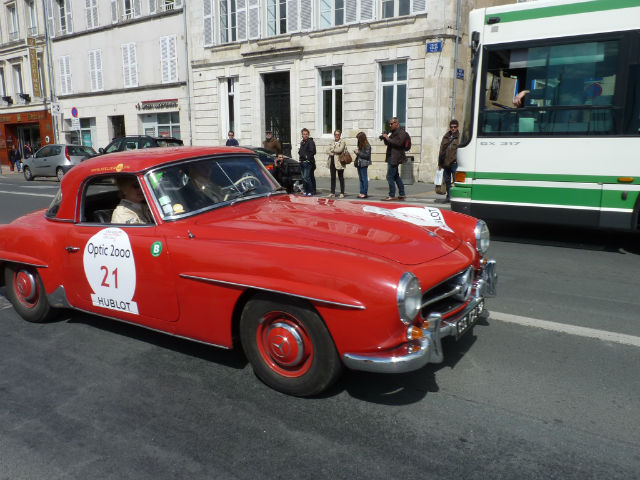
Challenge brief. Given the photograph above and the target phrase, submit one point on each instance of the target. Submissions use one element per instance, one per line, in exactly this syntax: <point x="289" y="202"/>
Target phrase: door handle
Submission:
<point x="72" y="249"/>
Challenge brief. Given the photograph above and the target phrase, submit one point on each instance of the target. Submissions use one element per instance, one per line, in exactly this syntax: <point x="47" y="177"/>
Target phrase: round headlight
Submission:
<point x="482" y="237"/>
<point x="409" y="297"/>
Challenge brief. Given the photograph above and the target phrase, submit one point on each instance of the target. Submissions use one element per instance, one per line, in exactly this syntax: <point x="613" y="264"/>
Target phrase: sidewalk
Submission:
<point x="417" y="193"/>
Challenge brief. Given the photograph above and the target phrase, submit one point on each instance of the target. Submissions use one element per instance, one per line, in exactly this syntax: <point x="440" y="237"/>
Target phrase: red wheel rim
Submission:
<point x="284" y="344"/>
<point x="26" y="288"/>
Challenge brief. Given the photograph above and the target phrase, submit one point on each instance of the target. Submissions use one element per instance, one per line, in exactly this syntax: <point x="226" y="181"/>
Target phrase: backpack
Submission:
<point x="407" y="142"/>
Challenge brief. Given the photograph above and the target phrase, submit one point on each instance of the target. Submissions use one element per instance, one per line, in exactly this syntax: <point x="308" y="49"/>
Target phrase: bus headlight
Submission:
<point x="409" y="296"/>
<point x="482" y="237"/>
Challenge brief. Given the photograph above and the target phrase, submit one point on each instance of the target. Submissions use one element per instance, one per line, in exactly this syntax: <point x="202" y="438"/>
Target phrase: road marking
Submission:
<point x="569" y="329"/>
<point x="27" y="193"/>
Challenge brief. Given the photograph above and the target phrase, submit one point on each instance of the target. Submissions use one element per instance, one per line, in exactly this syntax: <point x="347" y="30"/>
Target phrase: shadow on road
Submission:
<point x="567" y="237"/>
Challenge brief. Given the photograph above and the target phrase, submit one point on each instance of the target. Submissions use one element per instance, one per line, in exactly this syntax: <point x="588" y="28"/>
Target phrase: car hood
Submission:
<point x="409" y="235"/>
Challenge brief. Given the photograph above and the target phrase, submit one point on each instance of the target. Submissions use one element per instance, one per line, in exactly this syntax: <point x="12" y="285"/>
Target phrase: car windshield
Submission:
<point x="78" y="150"/>
<point x="196" y="186"/>
<point x="169" y="142"/>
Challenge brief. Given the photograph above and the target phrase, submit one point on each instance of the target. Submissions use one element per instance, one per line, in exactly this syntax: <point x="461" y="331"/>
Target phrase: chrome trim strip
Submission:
<point x="448" y="294"/>
<point x="313" y="299"/>
<point x="23" y="263"/>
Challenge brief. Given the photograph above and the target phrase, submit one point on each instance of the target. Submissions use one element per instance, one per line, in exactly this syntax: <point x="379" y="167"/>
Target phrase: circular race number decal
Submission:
<point x="111" y="270"/>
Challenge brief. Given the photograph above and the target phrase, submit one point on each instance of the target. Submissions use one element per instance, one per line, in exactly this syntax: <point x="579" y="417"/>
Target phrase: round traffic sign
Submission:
<point x="74" y="112"/>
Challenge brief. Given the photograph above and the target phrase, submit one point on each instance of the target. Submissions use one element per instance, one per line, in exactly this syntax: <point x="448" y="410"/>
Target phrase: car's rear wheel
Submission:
<point x="26" y="293"/>
<point x="59" y="173"/>
<point x="28" y="176"/>
<point x="288" y="345"/>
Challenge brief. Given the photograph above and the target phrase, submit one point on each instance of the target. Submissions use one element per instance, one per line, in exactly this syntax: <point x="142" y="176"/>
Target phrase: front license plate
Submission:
<point x="466" y="322"/>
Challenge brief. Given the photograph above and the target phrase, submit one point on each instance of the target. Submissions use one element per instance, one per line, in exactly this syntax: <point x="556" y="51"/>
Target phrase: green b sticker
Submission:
<point x="156" y="248"/>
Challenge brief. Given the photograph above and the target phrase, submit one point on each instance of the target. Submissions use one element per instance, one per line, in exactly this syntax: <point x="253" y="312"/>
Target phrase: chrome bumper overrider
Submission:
<point x="415" y="354"/>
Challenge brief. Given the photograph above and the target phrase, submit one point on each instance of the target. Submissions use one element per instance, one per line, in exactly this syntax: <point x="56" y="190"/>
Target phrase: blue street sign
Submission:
<point x="74" y="112"/>
<point x="433" y="47"/>
<point x="460" y="73"/>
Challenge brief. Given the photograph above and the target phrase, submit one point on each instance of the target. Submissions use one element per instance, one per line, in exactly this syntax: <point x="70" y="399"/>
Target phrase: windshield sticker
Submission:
<point x="421" y="216"/>
<point x="111" y="270"/>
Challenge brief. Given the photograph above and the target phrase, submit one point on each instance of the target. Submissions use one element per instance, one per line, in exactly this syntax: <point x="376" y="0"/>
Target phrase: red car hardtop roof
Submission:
<point x="133" y="161"/>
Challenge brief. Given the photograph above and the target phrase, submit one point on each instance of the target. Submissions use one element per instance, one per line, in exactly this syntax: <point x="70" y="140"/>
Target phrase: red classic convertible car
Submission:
<point x="306" y="286"/>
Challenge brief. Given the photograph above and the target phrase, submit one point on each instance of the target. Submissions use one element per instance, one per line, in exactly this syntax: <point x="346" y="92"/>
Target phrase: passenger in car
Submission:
<point x="133" y="208"/>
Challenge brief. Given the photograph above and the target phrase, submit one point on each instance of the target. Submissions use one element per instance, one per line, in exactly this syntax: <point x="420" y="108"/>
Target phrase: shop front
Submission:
<point x="33" y="128"/>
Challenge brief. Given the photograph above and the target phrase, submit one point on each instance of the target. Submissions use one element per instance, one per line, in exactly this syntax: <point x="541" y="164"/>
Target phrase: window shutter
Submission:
<point x="126" y="75"/>
<point x="418" y="6"/>
<point x="50" y="22"/>
<point x="67" y="14"/>
<point x="241" y="19"/>
<point x="164" y="58"/>
<point x="114" y="11"/>
<point x="133" y="66"/>
<point x="152" y="6"/>
<point x="100" y="85"/>
<point x="88" y="6"/>
<point x="366" y="10"/>
<point x="306" y="15"/>
<point x="65" y="75"/>
<point x="254" y="19"/>
<point x="137" y="9"/>
<point x="208" y="22"/>
<point x="92" y="70"/>
<point x="350" y="11"/>
<point x="292" y="16"/>
<point x="173" y="59"/>
<point x="61" y="75"/>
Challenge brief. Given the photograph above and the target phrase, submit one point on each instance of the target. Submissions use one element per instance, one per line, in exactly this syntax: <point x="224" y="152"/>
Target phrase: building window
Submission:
<point x="131" y="9"/>
<point x="95" y="70"/>
<point x="64" y="17"/>
<point x="230" y="104"/>
<point x="276" y="17"/>
<point x="33" y="18"/>
<point x="168" y="59"/>
<point x="86" y="127"/>
<point x="43" y="89"/>
<point x="12" y="22"/>
<point x="129" y="65"/>
<point x="92" y="13"/>
<point x="208" y="17"/>
<point x="17" y="78"/>
<point x="168" y="124"/>
<point x="394" y="93"/>
<point x="398" y="8"/>
<point x="331" y="87"/>
<point x="64" y="74"/>
<point x="331" y="13"/>
<point x="228" y="21"/>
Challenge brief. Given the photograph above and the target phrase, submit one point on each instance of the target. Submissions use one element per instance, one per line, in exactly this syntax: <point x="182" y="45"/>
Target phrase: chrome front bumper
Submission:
<point x="415" y="354"/>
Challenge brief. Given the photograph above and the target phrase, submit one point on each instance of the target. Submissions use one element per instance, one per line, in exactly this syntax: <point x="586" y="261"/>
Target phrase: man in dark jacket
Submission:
<point x="395" y="142"/>
<point x="271" y="143"/>
<point x="307" y="155"/>
<point x="15" y="157"/>
<point x="448" y="155"/>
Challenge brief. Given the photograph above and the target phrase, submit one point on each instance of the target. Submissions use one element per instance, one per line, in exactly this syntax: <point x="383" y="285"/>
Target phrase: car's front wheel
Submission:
<point x="59" y="173"/>
<point x="26" y="293"/>
<point x="28" y="176"/>
<point x="288" y="345"/>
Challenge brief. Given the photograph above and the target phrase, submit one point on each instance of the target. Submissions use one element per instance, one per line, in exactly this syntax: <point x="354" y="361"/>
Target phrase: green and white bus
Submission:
<point x="570" y="153"/>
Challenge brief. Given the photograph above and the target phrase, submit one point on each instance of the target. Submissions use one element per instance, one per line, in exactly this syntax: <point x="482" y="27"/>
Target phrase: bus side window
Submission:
<point x="632" y="122"/>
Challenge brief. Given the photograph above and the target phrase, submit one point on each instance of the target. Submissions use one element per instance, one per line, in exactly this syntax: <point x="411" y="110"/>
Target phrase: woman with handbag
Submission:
<point x="333" y="162"/>
<point x="363" y="160"/>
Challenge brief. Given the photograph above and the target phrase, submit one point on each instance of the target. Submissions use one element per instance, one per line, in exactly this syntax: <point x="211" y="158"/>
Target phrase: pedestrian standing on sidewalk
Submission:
<point x="231" y="140"/>
<point x="363" y="160"/>
<point x="395" y="155"/>
<point x="307" y="156"/>
<point x="27" y="150"/>
<point x="14" y="157"/>
<point x="333" y="162"/>
<point x="448" y="155"/>
<point x="271" y="144"/>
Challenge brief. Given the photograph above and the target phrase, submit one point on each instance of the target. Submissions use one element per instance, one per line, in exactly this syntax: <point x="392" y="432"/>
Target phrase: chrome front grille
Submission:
<point x="448" y="295"/>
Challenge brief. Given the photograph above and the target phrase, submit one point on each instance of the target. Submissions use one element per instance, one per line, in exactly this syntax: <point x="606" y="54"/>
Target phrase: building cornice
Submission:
<point x="119" y="91"/>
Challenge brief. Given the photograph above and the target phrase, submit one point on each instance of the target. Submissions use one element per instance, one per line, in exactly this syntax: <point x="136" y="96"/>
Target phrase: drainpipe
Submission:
<point x="186" y="68"/>
<point x="47" y="40"/>
<point x="455" y="62"/>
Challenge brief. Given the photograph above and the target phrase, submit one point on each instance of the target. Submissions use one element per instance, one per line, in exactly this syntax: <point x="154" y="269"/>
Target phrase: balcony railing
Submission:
<point x="14" y="35"/>
<point x="128" y="14"/>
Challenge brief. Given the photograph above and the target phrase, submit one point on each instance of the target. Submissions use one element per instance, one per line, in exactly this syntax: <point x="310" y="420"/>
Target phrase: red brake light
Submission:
<point x="270" y="167"/>
<point x="66" y="153"/>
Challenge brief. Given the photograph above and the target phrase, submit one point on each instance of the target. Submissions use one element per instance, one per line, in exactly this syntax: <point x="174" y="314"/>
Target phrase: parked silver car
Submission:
<point x="55" y="160"/>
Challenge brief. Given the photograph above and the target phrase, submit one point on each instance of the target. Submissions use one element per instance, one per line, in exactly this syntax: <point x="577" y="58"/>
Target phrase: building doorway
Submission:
<point x="277" y="108"/>
<point x="116" y="126"/>
<point x="28" y="134"/>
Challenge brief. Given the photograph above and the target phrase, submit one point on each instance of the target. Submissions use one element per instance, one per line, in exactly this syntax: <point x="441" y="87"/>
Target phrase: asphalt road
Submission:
<point x="86" y="397"/>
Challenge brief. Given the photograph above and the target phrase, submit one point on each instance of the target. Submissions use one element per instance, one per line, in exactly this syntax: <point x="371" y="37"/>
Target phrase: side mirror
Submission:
<point x="101" y="150"/>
